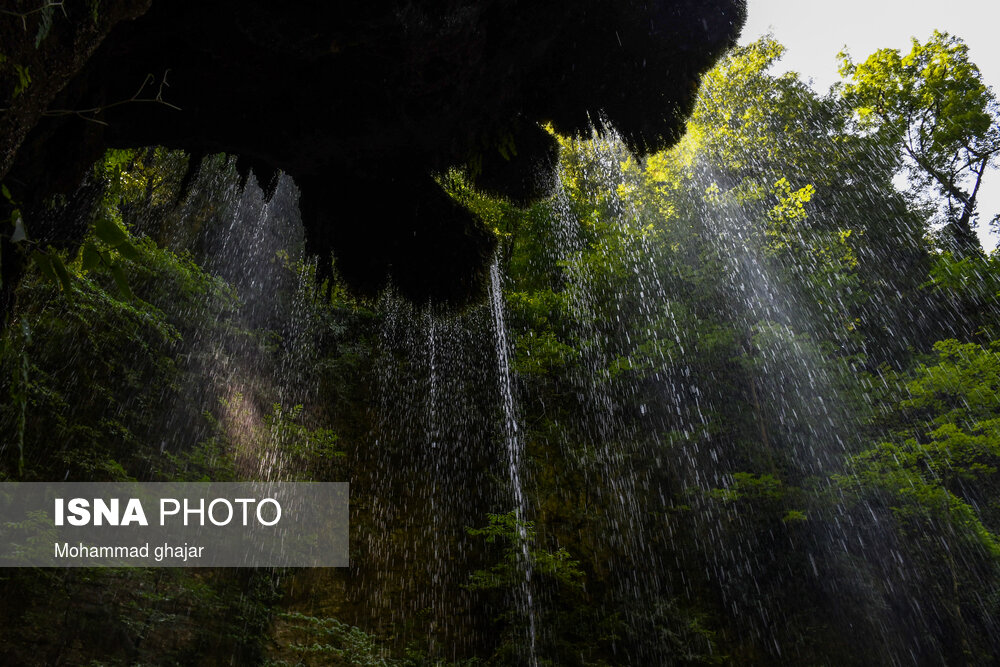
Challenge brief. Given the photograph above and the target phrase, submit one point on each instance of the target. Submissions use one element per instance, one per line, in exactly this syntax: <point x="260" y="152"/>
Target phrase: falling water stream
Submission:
<point x="514" y="444"/>
<point x="443" y="353"/>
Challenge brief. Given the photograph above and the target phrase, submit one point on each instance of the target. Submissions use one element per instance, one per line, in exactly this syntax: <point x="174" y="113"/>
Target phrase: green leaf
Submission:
<point x="90" y="257"/>
<point x="129" y="251"/>
<point x="119" y="275"/>
<point x="24" y="79"/>
<point x="44" y="264"/>
<point x="62" y="273"/>
<point x="109" y="232"/>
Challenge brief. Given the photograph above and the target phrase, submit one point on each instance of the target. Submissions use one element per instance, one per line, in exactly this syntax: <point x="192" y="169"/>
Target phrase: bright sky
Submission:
<point x="814" y="32"/>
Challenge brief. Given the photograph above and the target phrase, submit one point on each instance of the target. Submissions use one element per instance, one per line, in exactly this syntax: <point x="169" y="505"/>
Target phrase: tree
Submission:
<point x="933" y="106"/>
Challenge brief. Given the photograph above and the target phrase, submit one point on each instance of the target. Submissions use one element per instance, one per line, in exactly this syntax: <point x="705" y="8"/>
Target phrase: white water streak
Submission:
<point x="512" y="438"/>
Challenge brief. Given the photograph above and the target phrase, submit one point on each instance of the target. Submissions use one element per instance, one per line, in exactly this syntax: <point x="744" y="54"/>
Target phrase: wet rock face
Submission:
<point x="362" y="102"/>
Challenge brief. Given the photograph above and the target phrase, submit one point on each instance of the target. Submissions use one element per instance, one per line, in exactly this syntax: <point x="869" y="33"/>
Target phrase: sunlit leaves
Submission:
<point x="788" y="214"/>
<point x="933" y="106"/>
<point x="933" y="97"/>
<point x="963" y="386"/>
<point x="751" y="125"/>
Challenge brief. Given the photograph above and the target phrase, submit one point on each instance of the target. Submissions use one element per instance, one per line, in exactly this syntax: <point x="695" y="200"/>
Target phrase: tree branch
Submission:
<point x="135" y="99"/>
<point x="24" y="15"/>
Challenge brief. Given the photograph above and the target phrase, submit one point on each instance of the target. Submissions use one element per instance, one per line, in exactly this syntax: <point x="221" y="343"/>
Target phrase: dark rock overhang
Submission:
<point x="362" y="103"/>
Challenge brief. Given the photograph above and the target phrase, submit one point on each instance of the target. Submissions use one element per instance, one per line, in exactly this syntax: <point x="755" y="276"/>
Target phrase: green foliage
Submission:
<point x="23" y="79"/>
<point x="789" y="213"/>
<point x="747" y="486"/>
<point x="934" y="94"/>
<point x="14" y="350"/>
<point x="210" y="460"/>
<point x="973" y="278"/>
<point x="122" y="352"/>
<point x="313" y="640"/>
<point x="685" y="637"/>
<point x="515" y="543"/>
<point x="945" y="438"/>
<point x="962" y="385"/>
<point x="744" y="437"/>
<point x="328" y="641"/>
<point x="114" y="365"/>
<point x="511" y="533"/>
<point x="311" y="454"/>
<point x="935" y="470"/>
<point x="932" y="107"/>
<point x="104" y="352"/>
<point x="640" y="345"/>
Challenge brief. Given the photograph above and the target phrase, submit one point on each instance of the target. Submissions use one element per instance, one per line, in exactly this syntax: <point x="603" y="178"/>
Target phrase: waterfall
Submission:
<point x="251" y="242"/>
<point x="661" y="377"/>
<point x="514" y="444"/>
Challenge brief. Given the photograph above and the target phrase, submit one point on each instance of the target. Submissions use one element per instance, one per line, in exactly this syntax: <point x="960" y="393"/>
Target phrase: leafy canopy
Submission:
<point x="932" y="104"/>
